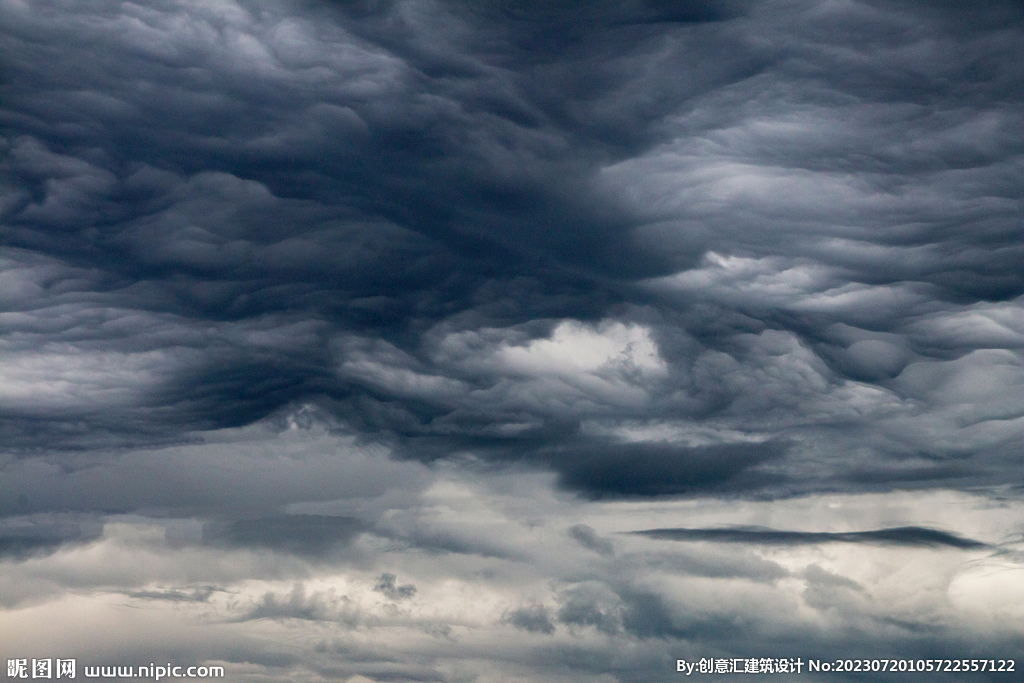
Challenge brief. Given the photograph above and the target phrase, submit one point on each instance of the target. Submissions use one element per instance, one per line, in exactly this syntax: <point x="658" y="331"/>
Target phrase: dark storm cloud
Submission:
<point x="908" y="536"/>
<point x="660" y="469"/>
<point x="659" y="249"/>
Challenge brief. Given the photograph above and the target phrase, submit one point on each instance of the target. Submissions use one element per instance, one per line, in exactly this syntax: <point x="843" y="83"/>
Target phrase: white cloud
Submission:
<point x="575" y="348"/>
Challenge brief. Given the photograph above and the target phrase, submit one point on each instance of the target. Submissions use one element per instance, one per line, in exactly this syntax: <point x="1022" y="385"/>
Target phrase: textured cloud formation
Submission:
<point x="413" y="329"/>
<point x="910" y="535"/>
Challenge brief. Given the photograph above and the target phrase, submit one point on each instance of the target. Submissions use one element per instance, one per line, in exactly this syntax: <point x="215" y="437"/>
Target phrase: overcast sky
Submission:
<point x="523" y="341"/>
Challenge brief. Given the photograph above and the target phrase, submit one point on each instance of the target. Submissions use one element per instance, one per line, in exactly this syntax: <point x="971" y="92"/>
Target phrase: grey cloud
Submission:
<point x="175" y="595"/>
<point x="823" y="578"/>
<point x="388" y="585"/>
<point x="304" y="534"/>
<point x="647" y="616"/>
<point x="589" y="539"/>
<point x="741" y="563"/>
<point x="871" y="359"/>
<point x="826" y="590"/>
<point x="661" y="469"/>
<point x="452" y="541"/>
<point x="534" y="618"/>
<point x="317" y="606"/>
<point x="251" y="473"/>
<point x="22" y="537"/>
<point x="591" y="605"/>
<point x="909" y="536"/>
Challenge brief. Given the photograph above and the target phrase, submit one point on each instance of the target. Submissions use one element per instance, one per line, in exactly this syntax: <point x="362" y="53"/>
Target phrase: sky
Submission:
<point x="511" y="340"/>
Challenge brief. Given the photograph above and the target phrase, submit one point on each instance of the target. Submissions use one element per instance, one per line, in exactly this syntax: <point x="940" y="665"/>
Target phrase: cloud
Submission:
<point x="245" y="474"/>
<point x="387" y="584"/>
<point x="658" y="469"/>
<point x="534" y="619"/>
<point x="913" y="536"/>
<point x="27" y="536"/>
<point x="591" y="604"/>
<point x="648" y="603"/>
<point x="309" y="534"/>
<point x="298" y="605"/>
<point x="173" y="595"/>
<point x="588" y="538"/>
<point x="460" y="292"/>
<point x="578" y="221"/>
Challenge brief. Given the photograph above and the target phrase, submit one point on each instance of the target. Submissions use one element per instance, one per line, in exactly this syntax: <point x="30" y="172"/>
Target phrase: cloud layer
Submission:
<point x="414" y="329"/>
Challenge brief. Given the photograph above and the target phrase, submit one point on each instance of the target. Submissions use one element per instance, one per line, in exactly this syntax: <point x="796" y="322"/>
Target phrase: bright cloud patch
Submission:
<point x="578" y="348"/>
